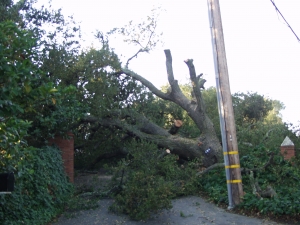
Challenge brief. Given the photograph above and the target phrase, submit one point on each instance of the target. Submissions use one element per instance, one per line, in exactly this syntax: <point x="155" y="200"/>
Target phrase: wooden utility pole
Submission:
<point x="229" y="140"/>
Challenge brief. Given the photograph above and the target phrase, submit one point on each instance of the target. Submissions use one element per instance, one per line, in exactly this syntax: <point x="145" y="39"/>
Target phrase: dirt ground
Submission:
<point x="190" y="210"/>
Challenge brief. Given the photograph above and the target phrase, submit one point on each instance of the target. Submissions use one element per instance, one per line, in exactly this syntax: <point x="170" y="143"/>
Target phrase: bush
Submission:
<point x="31" y="111"/>
<point x="41" y="189"/>
<point x="283" y="176"/>
<point x="149" y="182"/>
<point x="213" y="184"/>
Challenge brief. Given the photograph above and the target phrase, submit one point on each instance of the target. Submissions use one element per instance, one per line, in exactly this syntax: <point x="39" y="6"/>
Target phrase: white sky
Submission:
<point x="262" y="53"/>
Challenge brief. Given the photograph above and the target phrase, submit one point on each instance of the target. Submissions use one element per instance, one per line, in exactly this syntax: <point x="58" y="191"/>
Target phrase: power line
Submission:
<point x="285" y="20"/>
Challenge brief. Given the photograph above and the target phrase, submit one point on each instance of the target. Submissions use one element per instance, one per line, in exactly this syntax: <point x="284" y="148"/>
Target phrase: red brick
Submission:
<point x="287" y="151"/>
<point x="67" y="148"/>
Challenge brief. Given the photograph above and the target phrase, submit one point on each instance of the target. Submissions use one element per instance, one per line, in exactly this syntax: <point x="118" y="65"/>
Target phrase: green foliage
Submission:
<point x="283" y="176"/>
<point x="257" y="118"/>
<point x="148" y="182"/>
<point x="251" y="107"/>
<point x="211" y="107"/>
<point x="143" y="195"/>
<point x="48" y="25"/>
<point x="287" y="205"/>
<point x="213" y="185"/>
<point x="41" y="189"/>
<point x="16" y="74"/>
<point x="78" y="203"/>
<point x="58" y="110"/>
<point x="271" y="135"/>
<point x="32" y="109"/>
<point x="258" y="122"/>
<point x="13" y="148"/>
<point x="106" y="95"/>
<point x="98" y="143"/>
<point x="50" y="108"/>
<point x="10" y="11"/>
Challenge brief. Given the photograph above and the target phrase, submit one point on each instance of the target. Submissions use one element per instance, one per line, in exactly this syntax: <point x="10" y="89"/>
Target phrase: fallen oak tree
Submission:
<point x="136" y="125"/>
<point x="195" y="109"/>
<point x="144" y="129"/>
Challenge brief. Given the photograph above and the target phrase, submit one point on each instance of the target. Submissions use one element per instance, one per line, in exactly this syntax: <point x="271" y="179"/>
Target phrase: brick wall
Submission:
<point x="288" y="151"/>
<point x="67" y="148"/>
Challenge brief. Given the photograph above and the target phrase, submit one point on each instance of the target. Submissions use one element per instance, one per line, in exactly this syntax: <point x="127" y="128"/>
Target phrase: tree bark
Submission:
<point x="269" y="192"/>
<point x="196" y="111"/>
<point x="144" y="129"/>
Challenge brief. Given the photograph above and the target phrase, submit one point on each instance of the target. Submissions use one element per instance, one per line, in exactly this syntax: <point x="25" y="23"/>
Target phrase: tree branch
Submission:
<point x="145" y="82"/>
<point x="217" y="165"/>
<point x="169" y="66"/>
<point x="196" y="87"/>
<point x="269" y="192"/>
<point x="195" y="111"/>
<point x="243" y="170"/>
<point x="146" y="130"/>
<point x="134" y="56"/>
<point x="270" y="161"/>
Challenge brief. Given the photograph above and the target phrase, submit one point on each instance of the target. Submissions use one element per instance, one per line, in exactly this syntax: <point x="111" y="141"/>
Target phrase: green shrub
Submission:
<point x="143" y="194"/>
<point x="213" y="184"/>
<point x="286" y="204"/>
<point x="41" y="189"/>
<point x="283" y="176"/>
<point x="148" y="182"/>
<point x="32" y="109"/>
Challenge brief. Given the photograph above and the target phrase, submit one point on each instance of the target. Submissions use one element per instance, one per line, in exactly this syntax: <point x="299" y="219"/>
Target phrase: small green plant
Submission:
<point x="185" y="216"/>
<point x="77" y="203"/>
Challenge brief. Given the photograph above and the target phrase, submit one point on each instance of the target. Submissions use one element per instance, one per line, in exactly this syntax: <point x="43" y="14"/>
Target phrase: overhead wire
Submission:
<point x="276" y="8"/>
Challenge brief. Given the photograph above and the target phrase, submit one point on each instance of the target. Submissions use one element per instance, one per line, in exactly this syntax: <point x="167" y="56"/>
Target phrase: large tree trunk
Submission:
<point x="207" y="147"/>
<point x="137" y="125"/>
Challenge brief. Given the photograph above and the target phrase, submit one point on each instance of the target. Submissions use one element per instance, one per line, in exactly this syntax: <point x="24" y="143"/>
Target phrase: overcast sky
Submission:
<point x="262" y="53"/>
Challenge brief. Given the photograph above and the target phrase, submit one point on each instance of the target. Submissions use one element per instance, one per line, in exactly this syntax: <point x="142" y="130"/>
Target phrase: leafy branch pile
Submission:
<point x="146" y="182"/>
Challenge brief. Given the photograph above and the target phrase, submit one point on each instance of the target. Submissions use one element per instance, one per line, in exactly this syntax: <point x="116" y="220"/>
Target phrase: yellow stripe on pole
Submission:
<point x="234" y="181"/>
<point x="232" y="166"/>
<point x="231" y="153"/>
